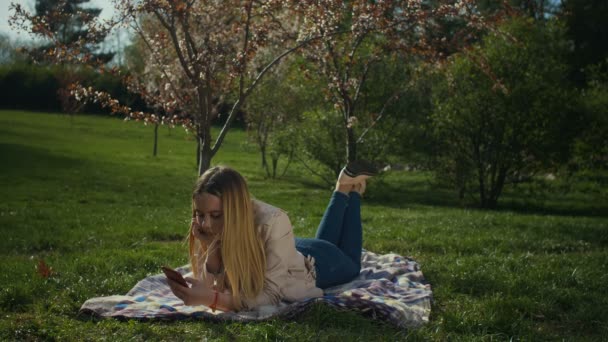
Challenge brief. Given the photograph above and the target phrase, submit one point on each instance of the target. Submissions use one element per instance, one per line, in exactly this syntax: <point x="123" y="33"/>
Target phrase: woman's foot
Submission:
<point x="359" y="188"/>
<point x="343" y="188"/>
<point x="356" y="171"/>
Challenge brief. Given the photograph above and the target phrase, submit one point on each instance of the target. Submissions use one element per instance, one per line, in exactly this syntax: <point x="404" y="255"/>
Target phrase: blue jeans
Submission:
<point x="337" y="246"/>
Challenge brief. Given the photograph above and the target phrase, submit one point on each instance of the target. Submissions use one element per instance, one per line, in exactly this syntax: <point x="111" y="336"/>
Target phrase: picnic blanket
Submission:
<point x="390" y="288"/>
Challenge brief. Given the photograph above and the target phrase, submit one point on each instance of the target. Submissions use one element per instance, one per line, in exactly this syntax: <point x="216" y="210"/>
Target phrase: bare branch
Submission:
<point x="362" y="80"/>
<point x="252" y="86"/>
<point x="312" y="170"/>
<point x="351" y="54"/>
<point x="380" y="115"/>
<point x="244" y="52"/>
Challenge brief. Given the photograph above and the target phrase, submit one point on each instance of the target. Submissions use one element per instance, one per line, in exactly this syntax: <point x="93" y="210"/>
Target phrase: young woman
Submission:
<point x="244" y="254"/>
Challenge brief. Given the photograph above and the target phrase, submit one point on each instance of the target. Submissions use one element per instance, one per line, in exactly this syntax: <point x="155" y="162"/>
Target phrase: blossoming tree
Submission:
<point x="198" y="56"/>
<point x="201" y="54"/>
<point x="373" y="32"/>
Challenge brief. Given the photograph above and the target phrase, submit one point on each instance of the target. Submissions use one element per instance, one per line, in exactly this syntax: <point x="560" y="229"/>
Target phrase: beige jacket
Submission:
<point x="289" y="275"/>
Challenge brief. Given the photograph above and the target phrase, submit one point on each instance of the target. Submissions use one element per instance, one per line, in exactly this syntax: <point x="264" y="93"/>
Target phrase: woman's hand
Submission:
<point x="212" y="242"/>
<point x="207" y="237"/>
<point x="197" y="294"/>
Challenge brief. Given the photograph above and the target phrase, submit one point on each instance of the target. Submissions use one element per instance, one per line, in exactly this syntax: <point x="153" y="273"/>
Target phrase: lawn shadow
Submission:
<point x="22" y="160"/>
<point x="317" y="317"/>
<point x="320" y="316"/>
<point x="403" y="192"/>
<point x="84" y="177"/>
<point x="557" y="207"/>
<point x="218" y="326"/>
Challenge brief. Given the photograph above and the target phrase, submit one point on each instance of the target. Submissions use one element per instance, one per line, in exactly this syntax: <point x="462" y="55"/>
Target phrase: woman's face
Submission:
<point x="209" y="213"/>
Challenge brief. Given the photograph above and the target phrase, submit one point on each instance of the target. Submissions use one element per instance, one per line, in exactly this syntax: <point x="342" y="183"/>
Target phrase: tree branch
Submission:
<point x="252" y="86"/>
<point x="351" y="54"/>
<point x="312" y="171"/>
<point x="139" y="30"/>
<point x="288" y="162"/>
<point x="242" y="95"/>
<point x="245" y="47"/>
<point x="390" y="99"/>
<point x="191" y="47"/>
<point x="178" y="50"/>
<point x="362" y="80"/>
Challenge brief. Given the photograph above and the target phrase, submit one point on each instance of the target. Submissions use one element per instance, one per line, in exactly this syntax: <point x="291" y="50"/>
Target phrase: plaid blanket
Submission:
<point x="390" y="287"/>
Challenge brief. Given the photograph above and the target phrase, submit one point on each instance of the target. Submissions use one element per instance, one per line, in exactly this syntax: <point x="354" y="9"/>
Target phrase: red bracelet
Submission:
<point x="214" y="305"/>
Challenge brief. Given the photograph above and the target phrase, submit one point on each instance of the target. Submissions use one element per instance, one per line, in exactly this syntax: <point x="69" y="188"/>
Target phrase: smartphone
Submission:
<point x="174" y="275"/>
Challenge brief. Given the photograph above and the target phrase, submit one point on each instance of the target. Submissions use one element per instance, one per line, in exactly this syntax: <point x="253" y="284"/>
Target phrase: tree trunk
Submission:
<point x="275" y="162"/>
<point x="205" y="151"/>
<point x="351" y="145"/>
<point x="204" y="160"/>
<point x="496" y="190"/>
<point x="264" y="161"/>
<point x="155" y="139"/>
<point x="490" y="203"/>
<point x="198" y="152"/>
<point x="461" y="192"/>
<point x="482" y="185"/>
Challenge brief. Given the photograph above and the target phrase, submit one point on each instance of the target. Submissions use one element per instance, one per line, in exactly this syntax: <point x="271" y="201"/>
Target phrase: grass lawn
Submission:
<point x="86" y="196"/>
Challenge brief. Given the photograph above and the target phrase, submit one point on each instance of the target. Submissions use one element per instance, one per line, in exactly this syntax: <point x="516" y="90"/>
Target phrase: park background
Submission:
<point x="494" y="148"/>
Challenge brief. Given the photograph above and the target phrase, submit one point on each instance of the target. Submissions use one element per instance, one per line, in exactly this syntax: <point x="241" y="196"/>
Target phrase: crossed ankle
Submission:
<point x="343" y="188"/>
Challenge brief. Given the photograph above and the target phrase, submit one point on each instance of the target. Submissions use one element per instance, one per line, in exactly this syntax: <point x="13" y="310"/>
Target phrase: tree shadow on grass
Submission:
<point x="21" y="160"/>
<point x="79" y="178"/>
<point x="556" y="207"/>
<point x="395" y="193"/>
<point x="404" y="192"/>
<point x="317" y="319"/>
<point x="51" y="175"/>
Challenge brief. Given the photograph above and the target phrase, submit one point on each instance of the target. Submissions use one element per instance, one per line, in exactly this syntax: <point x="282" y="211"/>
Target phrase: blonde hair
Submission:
<point x="242" y="249"/>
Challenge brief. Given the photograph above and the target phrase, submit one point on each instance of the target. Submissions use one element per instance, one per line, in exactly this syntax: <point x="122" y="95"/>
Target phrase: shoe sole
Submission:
<point x="356" y="169"/>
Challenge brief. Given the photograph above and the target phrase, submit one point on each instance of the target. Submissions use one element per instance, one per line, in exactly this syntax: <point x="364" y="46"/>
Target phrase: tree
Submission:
<point x="386" y="129"/>
<point x="535" y="9"/>
<point x="69" y="20"/>
<point x="61" y="24"/>
<point x="503" y="111"/>
<point x="272" y="114"/>
<point x="198" y="57"/>
<point x="375" y="32"/>
<point x="586" y="27"/>
<point x="591" y="146"/>
<point x="8" y="52"/>
<point x="401" y="135"/>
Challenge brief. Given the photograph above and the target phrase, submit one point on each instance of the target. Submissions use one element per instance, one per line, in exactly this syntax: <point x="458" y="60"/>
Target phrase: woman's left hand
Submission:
<point x="197" y="294"/>
<point x="207" y="237"/>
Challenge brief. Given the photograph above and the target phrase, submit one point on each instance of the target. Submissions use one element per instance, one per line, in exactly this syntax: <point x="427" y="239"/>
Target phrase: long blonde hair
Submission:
<point x="241" y="247"/>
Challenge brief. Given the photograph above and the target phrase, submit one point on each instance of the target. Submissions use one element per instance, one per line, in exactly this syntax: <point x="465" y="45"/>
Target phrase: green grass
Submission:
<point x="86" y="196"/>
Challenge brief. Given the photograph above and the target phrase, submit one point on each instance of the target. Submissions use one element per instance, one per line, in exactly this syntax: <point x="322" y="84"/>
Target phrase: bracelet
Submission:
<point x="214" y="305"/>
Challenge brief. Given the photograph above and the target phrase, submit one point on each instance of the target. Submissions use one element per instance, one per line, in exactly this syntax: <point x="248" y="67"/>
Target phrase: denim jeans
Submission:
<point x="337" y="246"/>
